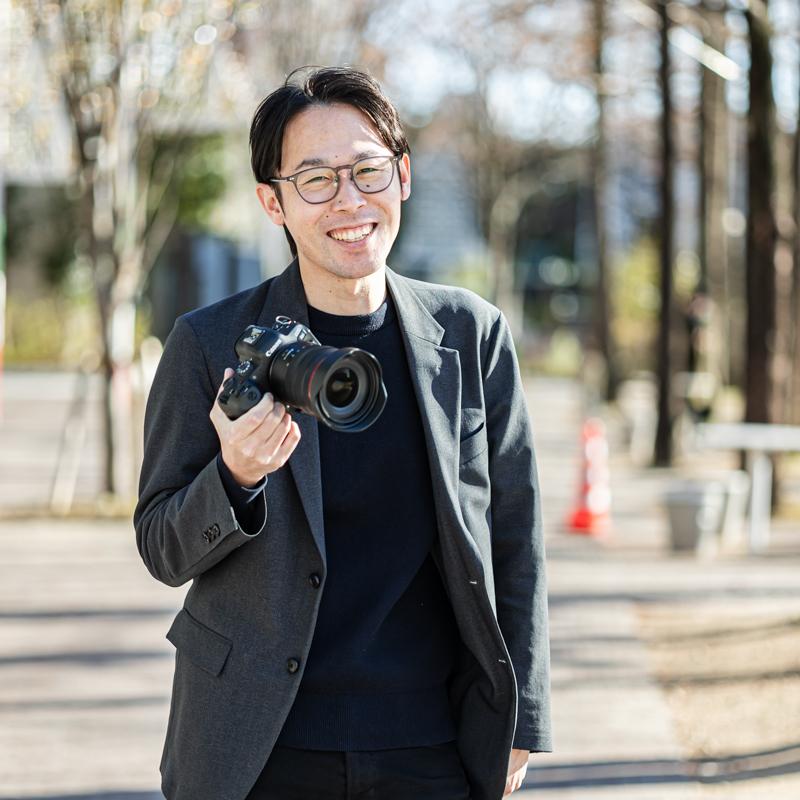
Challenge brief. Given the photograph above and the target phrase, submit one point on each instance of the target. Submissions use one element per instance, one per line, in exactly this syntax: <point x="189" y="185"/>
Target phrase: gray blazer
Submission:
<point x="249" y="615"/>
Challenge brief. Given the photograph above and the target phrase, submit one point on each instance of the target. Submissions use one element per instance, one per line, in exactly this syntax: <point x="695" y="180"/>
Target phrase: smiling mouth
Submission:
<point x="352" y="234"/>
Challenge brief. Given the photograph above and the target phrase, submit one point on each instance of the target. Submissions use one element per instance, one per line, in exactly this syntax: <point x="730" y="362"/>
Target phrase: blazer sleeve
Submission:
<point x="184" y="519"/>
<point x="518" y="557"/>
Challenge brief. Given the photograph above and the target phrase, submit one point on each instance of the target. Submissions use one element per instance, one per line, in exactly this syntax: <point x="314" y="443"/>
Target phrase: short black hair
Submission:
<point x="320" y="86"/>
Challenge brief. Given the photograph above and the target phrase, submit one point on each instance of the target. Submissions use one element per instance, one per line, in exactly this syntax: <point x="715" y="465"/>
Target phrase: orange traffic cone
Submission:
<point x="592" y="515"/>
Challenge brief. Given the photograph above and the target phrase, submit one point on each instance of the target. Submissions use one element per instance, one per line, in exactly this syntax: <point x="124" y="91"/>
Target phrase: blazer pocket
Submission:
<point x="202" y="646"/>
<point x="473" y="435"/>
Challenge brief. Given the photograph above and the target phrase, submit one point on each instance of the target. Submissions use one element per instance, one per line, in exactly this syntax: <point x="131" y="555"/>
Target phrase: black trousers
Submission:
<point x="410" y="773"/>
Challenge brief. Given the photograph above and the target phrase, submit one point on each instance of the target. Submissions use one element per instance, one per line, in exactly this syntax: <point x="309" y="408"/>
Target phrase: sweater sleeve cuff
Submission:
<point x="239" y="495"/>
<point x="248" y="516"/>
<point x="250" y="520"/>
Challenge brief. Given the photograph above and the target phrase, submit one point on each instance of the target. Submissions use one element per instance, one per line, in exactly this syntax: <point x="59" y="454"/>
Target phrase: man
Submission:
<point x="367" y="611"/>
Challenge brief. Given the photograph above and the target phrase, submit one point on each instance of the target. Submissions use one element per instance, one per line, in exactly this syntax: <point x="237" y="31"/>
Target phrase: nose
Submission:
<point x="348" y="196"/>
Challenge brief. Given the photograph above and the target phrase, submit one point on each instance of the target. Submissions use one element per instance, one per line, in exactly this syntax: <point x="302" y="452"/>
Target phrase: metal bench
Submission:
<point x="758" y="440"/>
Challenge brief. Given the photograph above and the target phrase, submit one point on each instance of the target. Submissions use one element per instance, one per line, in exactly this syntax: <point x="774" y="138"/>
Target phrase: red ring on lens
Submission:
<point x="311" y="379"/>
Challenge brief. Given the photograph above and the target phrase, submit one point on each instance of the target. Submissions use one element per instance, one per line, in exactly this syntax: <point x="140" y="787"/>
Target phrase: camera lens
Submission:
<point x="351" y="392"/>
<point x="341" y="387"/>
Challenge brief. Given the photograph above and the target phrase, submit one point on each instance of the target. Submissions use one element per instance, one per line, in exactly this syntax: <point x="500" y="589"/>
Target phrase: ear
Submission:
<point x="404" y="166"/>
<point x="270" y="203"/>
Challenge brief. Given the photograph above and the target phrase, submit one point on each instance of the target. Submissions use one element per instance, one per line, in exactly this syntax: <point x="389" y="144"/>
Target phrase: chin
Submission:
<point x="345" y="266"/>
<point x="354" y="272"/>
<point x="354" y="268"/>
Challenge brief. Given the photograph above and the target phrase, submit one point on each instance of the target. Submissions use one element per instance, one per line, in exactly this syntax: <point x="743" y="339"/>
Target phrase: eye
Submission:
<point x="315" y="179"/>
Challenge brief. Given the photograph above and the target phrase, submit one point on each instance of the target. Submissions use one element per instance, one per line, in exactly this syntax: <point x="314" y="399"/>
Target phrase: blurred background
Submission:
<point x="621" y="177"/>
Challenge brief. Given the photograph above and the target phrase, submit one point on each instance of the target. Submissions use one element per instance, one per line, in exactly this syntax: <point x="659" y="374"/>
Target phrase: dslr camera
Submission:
<point x="342" y="387"/>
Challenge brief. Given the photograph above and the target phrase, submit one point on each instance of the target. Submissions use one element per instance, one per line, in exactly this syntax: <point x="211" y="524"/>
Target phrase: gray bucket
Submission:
<point x="695" y="512"/>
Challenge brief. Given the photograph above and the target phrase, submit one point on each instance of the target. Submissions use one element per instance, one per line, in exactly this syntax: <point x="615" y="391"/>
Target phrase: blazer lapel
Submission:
<point x="436" y="376"/>
<point x="286" y="296"/>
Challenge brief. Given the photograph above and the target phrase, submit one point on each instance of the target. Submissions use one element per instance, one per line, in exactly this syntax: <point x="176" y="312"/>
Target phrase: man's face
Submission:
<point x="334" y="135"/>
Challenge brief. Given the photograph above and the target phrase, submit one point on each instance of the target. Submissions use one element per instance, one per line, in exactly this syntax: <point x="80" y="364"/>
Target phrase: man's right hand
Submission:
<point x="258" y="442"/>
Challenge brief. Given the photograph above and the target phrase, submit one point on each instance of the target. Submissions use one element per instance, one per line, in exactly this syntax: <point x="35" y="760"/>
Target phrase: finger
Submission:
<point x="270" y="422"/>
<point x="519" y="779"/>
<point x="228" y="374"/>
<point x="276" y="436"/>
<point x="217" y="415"/>
<point x="511" y="784"/>
<point x="288" y="445"/>
<point x="251" y="420"/>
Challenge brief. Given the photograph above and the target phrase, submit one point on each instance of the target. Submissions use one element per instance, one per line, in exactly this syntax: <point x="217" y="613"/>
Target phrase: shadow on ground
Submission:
<point x="85" y="657"/>
<point x="86" y="613"/>
<point x="741" y="767"/>
<point x="154" y="795"/>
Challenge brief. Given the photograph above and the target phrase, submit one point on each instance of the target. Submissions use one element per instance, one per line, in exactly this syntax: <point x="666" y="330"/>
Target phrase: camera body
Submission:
<point x="256" y="348"/>
<point x="341" y="387"/>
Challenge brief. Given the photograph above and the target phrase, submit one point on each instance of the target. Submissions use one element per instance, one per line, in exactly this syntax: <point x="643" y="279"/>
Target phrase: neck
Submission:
<point x="344" y="296"/>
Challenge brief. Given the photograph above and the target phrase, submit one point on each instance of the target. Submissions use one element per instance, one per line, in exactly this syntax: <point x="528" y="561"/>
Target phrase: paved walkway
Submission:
<point x="613" y="730"/>
<point x="84" y="666"/>
<point x="49" y="439"/>
<point x="85" y="670"/>
<point x="612" y="727"/>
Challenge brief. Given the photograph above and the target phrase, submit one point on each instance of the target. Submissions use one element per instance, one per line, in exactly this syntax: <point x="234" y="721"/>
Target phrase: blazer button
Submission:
<point x="314" y="580"/>
<point x="292" y="665"/>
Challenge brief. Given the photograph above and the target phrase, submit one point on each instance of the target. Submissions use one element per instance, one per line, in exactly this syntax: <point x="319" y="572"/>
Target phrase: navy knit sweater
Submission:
<point x="385" y="639"/>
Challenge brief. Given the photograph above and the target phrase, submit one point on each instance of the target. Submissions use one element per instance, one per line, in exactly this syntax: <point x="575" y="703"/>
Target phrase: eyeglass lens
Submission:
<point x="370" y="175"/>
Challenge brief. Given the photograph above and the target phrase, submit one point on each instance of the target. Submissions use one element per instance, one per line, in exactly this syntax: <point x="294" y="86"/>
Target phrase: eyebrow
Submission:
<point x="319" y="162"/>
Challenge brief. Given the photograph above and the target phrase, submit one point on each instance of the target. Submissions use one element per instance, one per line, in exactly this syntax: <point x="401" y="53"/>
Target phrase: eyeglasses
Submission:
<point x="321" y="184"/>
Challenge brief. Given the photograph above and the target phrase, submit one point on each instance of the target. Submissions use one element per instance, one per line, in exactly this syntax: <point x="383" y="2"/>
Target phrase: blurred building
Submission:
<point x="194" y="270"/>
<point x="439" y="233"/>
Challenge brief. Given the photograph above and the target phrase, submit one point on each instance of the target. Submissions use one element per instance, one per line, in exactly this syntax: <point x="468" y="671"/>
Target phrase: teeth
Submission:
<point x="352" y="234"/>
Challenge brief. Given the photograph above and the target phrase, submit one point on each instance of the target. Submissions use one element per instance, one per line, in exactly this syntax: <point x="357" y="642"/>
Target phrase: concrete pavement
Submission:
<point x="84" y="667"/>
<point x="85" y="670"/>
<point x="49" y="438"/>
<point x="613" y="729"/>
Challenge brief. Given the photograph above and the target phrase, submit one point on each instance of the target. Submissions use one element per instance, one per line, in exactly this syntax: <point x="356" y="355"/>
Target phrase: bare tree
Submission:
<point x="490" y="38"/>
<point x="602" y="322"/>
<point x="276" y="44"/>
<point x="713" y="182"/>
<point x="761" y="227"/>
<point x="787" y="279"/>
<point x="129" y="72"/>
<point x="793" y="402"/>
<point x="663" y="442"/>
<point x="125" y="71"/>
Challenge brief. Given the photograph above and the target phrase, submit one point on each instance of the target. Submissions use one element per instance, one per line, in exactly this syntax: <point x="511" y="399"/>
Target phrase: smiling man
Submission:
<point x="367" y="615"/>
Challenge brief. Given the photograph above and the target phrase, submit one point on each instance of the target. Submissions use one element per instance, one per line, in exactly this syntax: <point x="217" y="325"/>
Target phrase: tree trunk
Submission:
<point x="663" y="442"/>
<point x="705" y="151"/>
<point x="99" y="258"/>
<point x="502" y="226"/>
<point x="107" y="373"/>
<point x="761" y="230"/>
<point x="714" y="255"/>
<point x="602" y="315"/>
<point x="793" y="402"/>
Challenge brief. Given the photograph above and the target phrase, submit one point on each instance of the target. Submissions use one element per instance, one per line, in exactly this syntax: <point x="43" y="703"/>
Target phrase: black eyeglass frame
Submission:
<point x="395" y="158"/>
